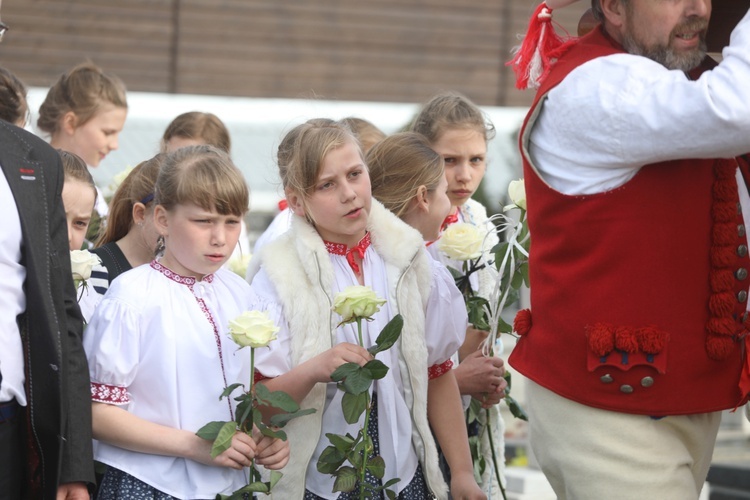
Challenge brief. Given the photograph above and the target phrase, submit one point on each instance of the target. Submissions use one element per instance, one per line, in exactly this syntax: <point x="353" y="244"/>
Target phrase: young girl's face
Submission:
<point x="93" y="140"/>
<point x="197" y="241"/>
<point x="465" y="153"/>
<point x="78" y="199"/>
<point x="341" y="199"/>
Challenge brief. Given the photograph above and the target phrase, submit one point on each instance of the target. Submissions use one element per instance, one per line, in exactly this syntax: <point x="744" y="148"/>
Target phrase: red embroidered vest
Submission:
<point x="638" y="294"/>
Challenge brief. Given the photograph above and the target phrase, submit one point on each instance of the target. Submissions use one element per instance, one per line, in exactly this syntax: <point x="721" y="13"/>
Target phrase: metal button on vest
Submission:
<point x="744" y="316"/>
<point x="742" y="296"/>
<point x="647" y="381"/>
<point x="627" y="389"/>
<point x="740" y="230"/>
<point x="739" y="208"/>
<point x="740" y="273"/>
<point x="742" y="250"/>
<point x="607" y="379"/>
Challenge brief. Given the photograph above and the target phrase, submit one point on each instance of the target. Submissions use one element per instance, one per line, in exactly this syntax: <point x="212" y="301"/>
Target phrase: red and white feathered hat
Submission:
<point x="540" y="47"/>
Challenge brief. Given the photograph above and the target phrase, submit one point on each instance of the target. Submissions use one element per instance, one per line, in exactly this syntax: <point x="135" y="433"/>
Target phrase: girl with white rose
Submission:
<point x="341" y="237"/>
<point x="158" y="345"/>
<point x="459" y="131"/>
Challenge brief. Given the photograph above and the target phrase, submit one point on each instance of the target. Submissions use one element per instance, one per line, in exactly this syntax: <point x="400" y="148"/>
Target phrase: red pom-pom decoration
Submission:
<point x="601" y="339"/>
<point x="721" y="304"/>
<point x="626" y="339"/>
<point x="724" y="211"/>
<point x="723" y="256"/>
<point x="719" y="347"/>
<point x="724" y="233"/>
<point x="725" y="191"/>
<point x="652" y="340"/>
<point x="522" y="322"/>
<point x="721" y="326"/>
<point x="722" y="281"/>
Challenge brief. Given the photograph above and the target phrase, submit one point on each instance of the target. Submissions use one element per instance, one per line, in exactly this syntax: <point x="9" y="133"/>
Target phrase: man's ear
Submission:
<point x="614" y="12"/>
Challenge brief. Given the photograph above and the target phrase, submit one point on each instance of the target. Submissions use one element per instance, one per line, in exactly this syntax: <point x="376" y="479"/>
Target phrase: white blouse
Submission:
<point x="158" y="345"/>
<point x="445" y="327"/>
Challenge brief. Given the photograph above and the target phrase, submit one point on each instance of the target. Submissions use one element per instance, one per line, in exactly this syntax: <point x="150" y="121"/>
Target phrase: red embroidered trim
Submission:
<point x="358" y="249"/>
<point x="112" y="394"/>
<point x="183" y="280"/>
<point x="721" y="325"/>
<point x="436" y="371"/>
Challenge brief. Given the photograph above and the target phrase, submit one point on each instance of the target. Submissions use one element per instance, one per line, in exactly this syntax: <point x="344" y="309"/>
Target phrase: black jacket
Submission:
<point x="57" y="377"/>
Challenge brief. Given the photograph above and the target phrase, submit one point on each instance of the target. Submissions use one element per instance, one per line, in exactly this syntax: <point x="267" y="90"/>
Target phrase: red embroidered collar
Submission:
<point x="358" y="249"/>
<point x="183" y="280"/>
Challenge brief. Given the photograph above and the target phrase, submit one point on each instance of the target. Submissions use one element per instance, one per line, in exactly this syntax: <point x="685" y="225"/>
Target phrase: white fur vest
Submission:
<point x="299" y="266"/>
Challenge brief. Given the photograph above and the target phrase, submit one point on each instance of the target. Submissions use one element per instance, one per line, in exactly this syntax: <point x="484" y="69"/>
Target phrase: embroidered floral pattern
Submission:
<point x="111" y="394"/>
<point x="436" y="371"/>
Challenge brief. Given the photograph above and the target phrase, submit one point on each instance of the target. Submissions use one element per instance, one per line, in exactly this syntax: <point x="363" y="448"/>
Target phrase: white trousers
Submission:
<point x="592" y="454"/>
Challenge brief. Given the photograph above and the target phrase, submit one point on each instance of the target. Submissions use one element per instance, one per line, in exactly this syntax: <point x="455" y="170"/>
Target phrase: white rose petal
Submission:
<point x="462" y="241"/>
<point x="253" y="329"/>
<point x="517" y="193"/>
<point x="356" y="302"/>
<point x="81" y="263"/>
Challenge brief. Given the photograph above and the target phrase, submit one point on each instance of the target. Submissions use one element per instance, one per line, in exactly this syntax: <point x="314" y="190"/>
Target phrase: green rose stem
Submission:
<point x="252" y="389"/>
<point x="365" y="429"/>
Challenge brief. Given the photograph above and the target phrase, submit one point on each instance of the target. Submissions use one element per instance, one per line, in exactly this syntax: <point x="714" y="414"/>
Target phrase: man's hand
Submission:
<point x="72" y="491"/>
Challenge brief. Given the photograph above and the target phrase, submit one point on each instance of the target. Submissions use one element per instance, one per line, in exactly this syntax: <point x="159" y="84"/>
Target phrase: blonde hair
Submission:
<point x="398" y="165"/>
<point x="205" y="176"/>
<point x="82" y="90"/>
<point x="75" y="169"/>
<point x="302" y="151"/>
<point x="13" y="105"/>
<point x="137" y="187"/>
<point x="206" y="127"/>
<point x="366" y="133"/>
<point x="451" y="110"/>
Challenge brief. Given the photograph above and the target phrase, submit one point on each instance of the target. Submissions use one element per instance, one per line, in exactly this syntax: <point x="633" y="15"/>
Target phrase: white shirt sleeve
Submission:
<point x="614" y="114"/>
<point x="445" y="318"/>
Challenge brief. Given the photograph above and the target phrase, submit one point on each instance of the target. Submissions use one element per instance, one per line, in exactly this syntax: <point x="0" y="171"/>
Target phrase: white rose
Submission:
<point x="81" y="263"/>
<point x="238" y="265"/>
<point x="462" y="241"/>
<point x="517" y="193"/>
<point x="118" y="178"/>
<point x="253" y="328"/>
<point x="356" y="302"/>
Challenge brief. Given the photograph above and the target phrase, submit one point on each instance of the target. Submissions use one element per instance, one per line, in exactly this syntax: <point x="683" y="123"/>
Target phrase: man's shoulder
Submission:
<point x="11" y="134"/>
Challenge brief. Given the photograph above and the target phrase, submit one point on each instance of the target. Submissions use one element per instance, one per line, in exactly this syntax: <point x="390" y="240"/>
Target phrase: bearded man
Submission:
<point x="638" y="209"/>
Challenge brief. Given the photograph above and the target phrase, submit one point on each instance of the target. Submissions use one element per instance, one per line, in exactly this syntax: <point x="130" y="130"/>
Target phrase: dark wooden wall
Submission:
<point x="376" y="50"/>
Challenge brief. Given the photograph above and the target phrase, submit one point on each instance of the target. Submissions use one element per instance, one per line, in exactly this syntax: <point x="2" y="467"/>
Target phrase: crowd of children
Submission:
<point x="361" y="208"/>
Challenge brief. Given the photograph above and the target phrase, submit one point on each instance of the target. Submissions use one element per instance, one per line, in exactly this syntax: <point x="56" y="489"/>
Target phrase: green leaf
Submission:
<point x="344" y="371"/>
<point x="353" y="405"/>
<point x="256" y="487"/>
<point x="281" y="419"/>
<point x="472" y="413"/>
<point x="330" y="460"/>
<point x="524" y="270"/>
<point x="517" y="281"/>
<point x="357" y="380"/>
<point x="244" y="411"/>
<point x="210" y="430"/>
<point x="342" y="443"/>
<point x="457" y="275"/>
<point x="376" y="369"/>
<point x="391" y="482"/>
<point x="280" y="400"/>
<point x="274" y="478"/>
<point x="346" y="479"/>
<point x="224" y="439"/>
<point x="376" y="466"/>
<point x="389" y="335"/>
<point x="391" y="495"/>
<point x="229" y="390"/>
<point x="515" y="409"/>
<point x="273" y="433"/>
<point x="507" y="378"/>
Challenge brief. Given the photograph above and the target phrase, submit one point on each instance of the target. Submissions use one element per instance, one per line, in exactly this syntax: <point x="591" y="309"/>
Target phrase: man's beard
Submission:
<point x="667" y="56"/>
